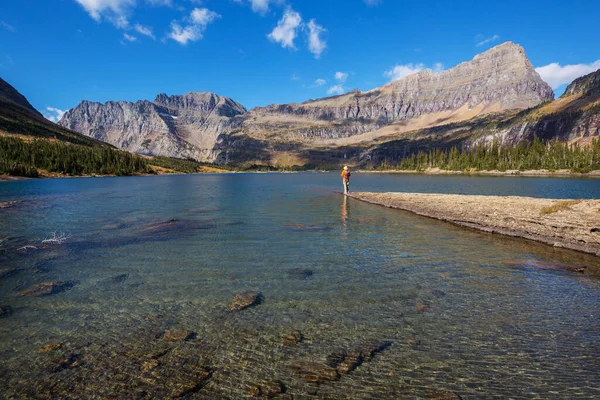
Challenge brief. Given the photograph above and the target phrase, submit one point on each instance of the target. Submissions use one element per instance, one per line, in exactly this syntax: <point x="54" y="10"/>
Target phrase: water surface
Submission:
<point x="465" y="312"/>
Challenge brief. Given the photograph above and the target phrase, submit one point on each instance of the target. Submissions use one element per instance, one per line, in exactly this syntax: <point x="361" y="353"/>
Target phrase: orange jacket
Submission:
<point x="346" y="174"/>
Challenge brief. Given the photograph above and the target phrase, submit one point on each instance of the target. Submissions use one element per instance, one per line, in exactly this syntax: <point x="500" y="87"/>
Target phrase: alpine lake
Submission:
<point x="276" y="285"/>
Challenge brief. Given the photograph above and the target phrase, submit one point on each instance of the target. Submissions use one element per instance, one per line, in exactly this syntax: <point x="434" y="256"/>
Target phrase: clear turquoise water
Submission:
<point x="502" y="320"/>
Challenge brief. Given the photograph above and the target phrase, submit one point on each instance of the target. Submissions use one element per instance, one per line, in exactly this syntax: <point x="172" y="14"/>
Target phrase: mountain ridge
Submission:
<point x="208" y="127"/>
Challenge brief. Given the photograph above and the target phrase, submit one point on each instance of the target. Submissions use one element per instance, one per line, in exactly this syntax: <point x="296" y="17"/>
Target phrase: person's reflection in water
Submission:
<point x="345" y="212"/>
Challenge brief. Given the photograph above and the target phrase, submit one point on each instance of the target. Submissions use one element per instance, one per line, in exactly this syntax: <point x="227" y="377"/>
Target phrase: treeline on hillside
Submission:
<point x="21" y="158"/>
<point x="552" y="155"/>
<point x="185" y="166"/>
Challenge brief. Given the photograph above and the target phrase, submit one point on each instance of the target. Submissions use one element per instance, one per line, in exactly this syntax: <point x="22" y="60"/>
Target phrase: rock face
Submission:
<point x="175" y="126"/>
<point x="502" y="76"/>
<point x="208" y="127"/>
<point x="585" y="85"/>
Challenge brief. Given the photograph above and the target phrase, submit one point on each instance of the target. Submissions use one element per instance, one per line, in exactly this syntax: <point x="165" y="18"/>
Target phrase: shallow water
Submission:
<point x="465" y="312"/>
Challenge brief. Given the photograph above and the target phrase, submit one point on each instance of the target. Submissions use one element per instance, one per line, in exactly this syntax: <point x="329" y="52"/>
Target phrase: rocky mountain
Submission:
<point x="208" y="127"/>
<point x="586" y="85"/>
<point x="181" y="126"/>
<point x="573" y="118"/>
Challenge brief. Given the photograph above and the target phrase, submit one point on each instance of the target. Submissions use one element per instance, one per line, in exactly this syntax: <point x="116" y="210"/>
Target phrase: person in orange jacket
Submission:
<point x="346" y="179"/>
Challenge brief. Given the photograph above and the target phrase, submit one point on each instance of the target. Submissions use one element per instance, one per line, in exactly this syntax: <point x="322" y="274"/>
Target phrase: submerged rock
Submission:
<point x="244" y="300"/>
<point x="119" y="278"/>
<point x="421" y="307"/>
<point x="372" y="348"/>
<point x="313" y="372"/>
<point x="48" y="348"/>
<point x="5" y="311"/>
<point x="336" y="358"/>
<point x="292" y="338"/>
<point x="178" y="335"/>
<point x="300" y="273"/>
<point x="47" y="288"/>
<point x="267" y="390"/>
<point x="346" y="361"/>
<point x="352" y="360"/>
<point x="150" y="365"/>
<point x="67" y="361"/>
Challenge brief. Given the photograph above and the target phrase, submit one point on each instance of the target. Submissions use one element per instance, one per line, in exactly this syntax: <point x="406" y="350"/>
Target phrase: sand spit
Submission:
<point x="570" y="224"/>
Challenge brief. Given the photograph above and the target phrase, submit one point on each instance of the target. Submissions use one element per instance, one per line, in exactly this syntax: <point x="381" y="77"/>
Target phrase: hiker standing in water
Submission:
<point x="346" y="179"/>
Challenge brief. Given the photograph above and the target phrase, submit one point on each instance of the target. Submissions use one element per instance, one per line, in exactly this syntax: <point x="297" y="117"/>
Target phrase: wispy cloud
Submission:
<point x="295" y="77"/>
<point x="129" y="38"/>
<point x="53" y="114"/>
<point x="7" y="26"/>
<point x="319" y="82"/>
<point x="341" y="76"/>
<point x="401" y="71"/>
<point x="335" y="90"/>
<point x="195" y="26"/>
<point x="259" y="6"/>
<point x="372" y="3"/>
<point x="115" y="11"/>
<point x="316" y="42"/>
<point x="481" y="40"/>
<point x="144" y="30"/>
<point x="557" y="76"/>
<point x="287" y="29"/>
<point x="168" y="3"/>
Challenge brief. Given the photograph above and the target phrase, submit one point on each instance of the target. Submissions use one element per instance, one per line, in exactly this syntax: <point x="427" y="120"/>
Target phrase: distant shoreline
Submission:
<point x="535" y="172"/>
<point x="569" y="224"/>
<point x="431" y="171"/>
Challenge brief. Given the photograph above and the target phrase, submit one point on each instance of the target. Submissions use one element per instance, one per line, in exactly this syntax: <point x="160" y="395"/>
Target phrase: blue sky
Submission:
<point x="259" y="52"/>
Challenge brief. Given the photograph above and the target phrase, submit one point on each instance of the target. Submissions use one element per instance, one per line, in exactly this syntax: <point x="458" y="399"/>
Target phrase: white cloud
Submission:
<point x="400" y="71"/>
<point x="341" y="76"/>
<point x="193" y="31"/>
<point x="129" y="38"/>
<point x="144" y="30"/>
<point x="319" y="82"/>
<point x="260" y="6"/>
<point x="556" y="76"/>
<point x="316" y="43"/>
<point x="372" y="3"/>
<point x="295" y="77"/>
<point x="182" y="35"/>
<point x="287" y="29"/>
<point x="481" y="40"/>
<point x="115" y="11"/>
<point x="8" y="27"/>
<point x="54" y="114"/>
<point x="203" y="16"/>
<point x="337" y="89"/>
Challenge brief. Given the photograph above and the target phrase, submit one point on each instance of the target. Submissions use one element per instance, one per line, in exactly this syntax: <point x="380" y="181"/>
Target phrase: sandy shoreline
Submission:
<point x="573" y="224"/>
